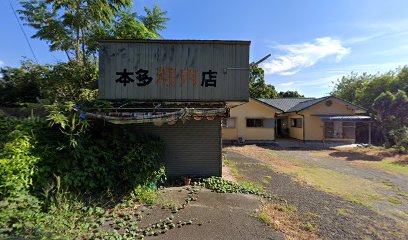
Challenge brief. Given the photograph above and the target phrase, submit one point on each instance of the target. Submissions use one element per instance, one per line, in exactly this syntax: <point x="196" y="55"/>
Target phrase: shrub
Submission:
<point x="114" y="159"/>
<point x="38" y="159"/>
<point x="400" y="137"/>
<point x="18" y="161"/>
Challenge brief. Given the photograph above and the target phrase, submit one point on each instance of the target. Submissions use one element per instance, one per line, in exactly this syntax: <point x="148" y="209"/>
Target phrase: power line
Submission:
<point x="22" y="29"/>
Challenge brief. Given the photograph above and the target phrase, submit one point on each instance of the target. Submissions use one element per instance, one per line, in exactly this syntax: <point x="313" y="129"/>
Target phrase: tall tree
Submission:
<point x="74" y="26"/>
<point x="257" y="85"/>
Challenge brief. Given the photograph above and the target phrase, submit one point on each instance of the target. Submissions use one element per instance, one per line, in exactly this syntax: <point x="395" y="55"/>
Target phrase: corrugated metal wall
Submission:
<point x="177" y="70"/>
<point x="192" y="148"/>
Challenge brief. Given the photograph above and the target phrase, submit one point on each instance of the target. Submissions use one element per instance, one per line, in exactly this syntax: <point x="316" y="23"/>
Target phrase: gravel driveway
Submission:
<point x="333" y="216"/>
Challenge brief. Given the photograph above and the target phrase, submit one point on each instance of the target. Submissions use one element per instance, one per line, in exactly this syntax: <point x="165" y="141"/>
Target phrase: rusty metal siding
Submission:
<point x="178" y="57"/>
<point x="192" y="148"/>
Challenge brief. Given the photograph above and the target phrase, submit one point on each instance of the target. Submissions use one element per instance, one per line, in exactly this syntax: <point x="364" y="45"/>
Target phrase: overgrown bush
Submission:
<point x="113" y="158"/>
<point x="18" y="160"/>
<point x="61" y="81"/>
<point x="40" y="157"/>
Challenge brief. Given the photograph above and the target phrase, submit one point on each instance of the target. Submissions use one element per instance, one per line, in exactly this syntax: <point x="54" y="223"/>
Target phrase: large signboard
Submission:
<point x="173" y="70"/>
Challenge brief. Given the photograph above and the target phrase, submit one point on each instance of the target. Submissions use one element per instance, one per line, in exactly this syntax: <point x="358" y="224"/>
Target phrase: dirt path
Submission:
<point x="334" y="217"/>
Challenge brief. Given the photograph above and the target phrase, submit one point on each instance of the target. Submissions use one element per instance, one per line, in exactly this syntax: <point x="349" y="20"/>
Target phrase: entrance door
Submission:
<point x="282" y="130"/>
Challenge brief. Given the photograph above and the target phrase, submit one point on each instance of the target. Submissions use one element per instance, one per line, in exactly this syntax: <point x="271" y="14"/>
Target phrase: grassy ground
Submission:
<point x="375" y="157"/>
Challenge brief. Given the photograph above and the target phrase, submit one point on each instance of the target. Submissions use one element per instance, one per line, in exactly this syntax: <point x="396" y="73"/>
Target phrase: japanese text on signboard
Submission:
<point x="168" y="76"/>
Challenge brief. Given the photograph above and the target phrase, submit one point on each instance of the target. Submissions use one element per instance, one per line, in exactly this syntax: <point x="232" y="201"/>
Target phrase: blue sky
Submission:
<point x="312" y="43"/>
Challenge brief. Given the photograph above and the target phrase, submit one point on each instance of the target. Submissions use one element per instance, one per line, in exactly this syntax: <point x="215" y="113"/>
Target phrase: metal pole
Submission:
<point x="262" y="59"/>
<point x="369" y="133"/>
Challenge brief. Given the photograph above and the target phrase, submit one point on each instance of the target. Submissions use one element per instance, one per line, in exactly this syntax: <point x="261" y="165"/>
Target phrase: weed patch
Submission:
<point x="394" y="200"/>
<point x="403" y="195"/>
<point x="390" y="165"/>
<point x="282" y="218"/>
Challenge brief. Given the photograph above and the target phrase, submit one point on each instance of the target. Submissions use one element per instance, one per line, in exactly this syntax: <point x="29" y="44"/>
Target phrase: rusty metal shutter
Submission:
<point x="193" y="148"/>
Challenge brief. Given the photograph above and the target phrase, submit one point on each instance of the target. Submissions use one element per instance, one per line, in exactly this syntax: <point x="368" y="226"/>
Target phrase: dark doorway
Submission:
<point x="282" y="130"/>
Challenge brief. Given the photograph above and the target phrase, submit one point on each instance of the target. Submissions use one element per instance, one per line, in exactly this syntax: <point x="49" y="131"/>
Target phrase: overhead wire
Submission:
<point x="24" y="33"/>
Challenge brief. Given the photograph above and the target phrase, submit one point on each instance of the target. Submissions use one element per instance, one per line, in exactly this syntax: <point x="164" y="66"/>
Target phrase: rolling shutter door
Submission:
<point x="193" y="148"/>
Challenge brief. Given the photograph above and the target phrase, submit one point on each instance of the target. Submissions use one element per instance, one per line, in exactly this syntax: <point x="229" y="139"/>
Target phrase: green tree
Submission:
<point x="385" y="98"/>
<point x="391" y="110"/>
<point x="21" y="84"/>
<point x="371" y="89"/>
<point x="59" y="82"/>
<point x="290" y="94"/>
<point x="383" y="113"/>
<point x="257" y="85"/>
<point x="346" y="87"/>
<point x="130" y="25"/>
<point x="66" y="24"/>
<point x="75" y="26"/>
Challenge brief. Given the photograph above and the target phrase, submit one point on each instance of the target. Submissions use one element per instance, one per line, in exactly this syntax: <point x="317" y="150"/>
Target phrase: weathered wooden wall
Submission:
<point x="176" y="69"/>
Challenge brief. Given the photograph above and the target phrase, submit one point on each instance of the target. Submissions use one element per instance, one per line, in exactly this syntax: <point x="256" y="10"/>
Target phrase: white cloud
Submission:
<point x="287" y="84"/>
<point x="299" y="56"/>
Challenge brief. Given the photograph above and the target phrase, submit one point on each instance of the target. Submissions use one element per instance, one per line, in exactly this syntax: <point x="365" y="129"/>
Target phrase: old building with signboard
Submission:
<point x="178" y="90"/>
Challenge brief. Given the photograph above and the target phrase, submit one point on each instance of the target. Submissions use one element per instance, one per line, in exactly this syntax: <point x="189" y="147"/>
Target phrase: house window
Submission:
<point x="228" y="122"/>
<point x="260" y="123"/>
<point x="296" y="122"/>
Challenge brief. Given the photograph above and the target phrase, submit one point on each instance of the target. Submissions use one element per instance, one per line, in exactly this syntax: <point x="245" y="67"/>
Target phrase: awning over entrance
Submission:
<point x="345" y="118"/>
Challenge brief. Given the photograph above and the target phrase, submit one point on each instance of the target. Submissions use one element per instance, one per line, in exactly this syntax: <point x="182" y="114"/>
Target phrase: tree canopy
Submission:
<point x="290" y="94"/>
<point x="75" y="26"/>
<point x="385" y="98"/>
<point x="257" y="85"/>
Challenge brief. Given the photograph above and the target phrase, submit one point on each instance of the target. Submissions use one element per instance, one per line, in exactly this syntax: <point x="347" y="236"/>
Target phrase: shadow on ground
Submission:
<point x="353" y="156"/>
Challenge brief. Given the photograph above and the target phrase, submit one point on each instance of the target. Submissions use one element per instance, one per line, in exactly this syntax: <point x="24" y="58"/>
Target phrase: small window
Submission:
<point x="253" y="122"/>
<point x="296" y="122"/>
<point x="228" y="122"/>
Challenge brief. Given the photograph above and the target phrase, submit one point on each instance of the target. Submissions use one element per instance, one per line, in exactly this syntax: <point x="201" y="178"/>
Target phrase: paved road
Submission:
<point x="215" y="216"/>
